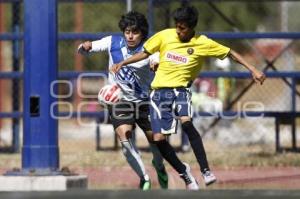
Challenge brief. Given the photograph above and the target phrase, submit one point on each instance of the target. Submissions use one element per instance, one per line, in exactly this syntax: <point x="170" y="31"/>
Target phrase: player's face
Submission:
<point x="184" y="32"/>
<point x="133" y="37"/>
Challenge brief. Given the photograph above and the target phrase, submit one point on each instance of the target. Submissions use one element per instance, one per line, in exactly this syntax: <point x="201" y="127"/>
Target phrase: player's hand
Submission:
<point x="154" y="66"/>
<point x="258" y="76"/>
<point x="115" y="68"/>
<point x="84" y="47"/>
<point x="87" y="46"/>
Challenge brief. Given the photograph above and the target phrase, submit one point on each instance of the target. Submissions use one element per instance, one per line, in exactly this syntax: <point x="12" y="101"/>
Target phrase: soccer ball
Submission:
<point x="110" y="94"/>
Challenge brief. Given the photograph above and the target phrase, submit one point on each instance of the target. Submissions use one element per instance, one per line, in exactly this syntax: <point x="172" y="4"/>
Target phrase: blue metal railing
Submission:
<point x="213" y="35"/>
<point x="208" y="74"/>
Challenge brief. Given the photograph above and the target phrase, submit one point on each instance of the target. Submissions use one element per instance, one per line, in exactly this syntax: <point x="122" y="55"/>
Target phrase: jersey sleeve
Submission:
<point x="217" y="50"/>
<point x="153" y="44"/>
<point x="101" y="45"/>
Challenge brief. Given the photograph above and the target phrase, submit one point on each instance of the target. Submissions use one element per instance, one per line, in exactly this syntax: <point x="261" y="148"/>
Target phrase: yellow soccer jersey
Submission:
<point x="180" y="63"/>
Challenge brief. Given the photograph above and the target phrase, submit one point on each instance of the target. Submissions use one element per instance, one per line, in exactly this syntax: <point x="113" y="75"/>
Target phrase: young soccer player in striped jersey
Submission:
<point x="182" y="55"/>
<point x="134" y="81"/>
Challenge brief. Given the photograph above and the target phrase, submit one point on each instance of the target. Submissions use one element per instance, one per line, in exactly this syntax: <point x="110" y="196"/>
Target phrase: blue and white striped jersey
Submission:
<point x="134" y="79"/>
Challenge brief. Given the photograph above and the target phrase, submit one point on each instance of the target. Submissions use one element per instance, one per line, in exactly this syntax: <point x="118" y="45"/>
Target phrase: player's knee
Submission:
<point x="189" y="128"/>
<point x="184" y="119"/>
<point x="123" y="134"/>
<point x="158" y="137"/>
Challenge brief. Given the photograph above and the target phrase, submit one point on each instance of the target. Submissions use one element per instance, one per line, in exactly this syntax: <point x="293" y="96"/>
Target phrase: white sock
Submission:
<point x="133" y="158"/>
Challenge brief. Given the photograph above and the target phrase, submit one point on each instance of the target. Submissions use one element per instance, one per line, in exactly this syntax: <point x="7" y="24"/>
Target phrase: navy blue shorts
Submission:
<point x="167" y="104"/>
<point x="130" y="113"/>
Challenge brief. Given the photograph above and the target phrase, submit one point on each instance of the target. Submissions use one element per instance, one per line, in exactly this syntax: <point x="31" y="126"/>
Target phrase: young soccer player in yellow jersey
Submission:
<point x="182" y="54"/>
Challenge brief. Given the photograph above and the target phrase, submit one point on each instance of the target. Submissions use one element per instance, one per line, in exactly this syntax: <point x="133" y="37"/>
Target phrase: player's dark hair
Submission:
<point x="136" y="21"/>
<point x="186" y="14"/>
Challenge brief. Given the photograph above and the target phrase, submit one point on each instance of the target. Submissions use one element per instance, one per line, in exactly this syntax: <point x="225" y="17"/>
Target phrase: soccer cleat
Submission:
<point x="145" y="183"/>
<point x="209" y="177"/>
<point x="190" y="181"/>
<point x="162" y="176"/>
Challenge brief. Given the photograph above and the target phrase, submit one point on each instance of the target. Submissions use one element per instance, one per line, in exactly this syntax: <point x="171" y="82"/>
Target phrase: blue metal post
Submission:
<point x="293" y="94"/>
<point x="40" y="152"/>
<point x="294" y="139"/>
<point x="150" y="14"/>
<point x="15" y="82"/>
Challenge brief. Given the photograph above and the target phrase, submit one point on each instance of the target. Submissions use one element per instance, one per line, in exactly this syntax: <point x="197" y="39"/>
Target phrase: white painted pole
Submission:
<point x="129" y="5"/>
<point x="284" y="16"/>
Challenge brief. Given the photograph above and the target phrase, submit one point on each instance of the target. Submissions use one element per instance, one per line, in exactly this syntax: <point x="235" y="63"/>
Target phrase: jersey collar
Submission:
<point x="135" y="50"/>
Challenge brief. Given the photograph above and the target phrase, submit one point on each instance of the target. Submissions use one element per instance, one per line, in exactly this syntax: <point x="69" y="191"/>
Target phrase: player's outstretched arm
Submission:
<point x="258" y="76"/>
<point x="135" y="58"/>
